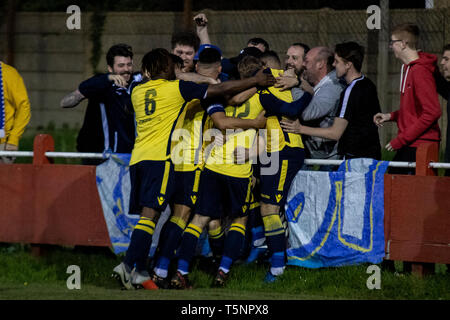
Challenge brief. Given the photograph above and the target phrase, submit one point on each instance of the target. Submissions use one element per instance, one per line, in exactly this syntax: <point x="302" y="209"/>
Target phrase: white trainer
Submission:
<point x="123" y="276"/>
<point x="138" y="278"/>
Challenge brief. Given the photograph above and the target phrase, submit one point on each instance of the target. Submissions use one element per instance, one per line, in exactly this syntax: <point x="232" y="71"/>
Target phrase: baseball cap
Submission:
<point x="205" y="46"/>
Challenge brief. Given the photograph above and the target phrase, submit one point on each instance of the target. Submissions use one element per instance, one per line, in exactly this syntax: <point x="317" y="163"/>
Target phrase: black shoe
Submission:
<point x="220" y="279"/>
<point x="162" y="283"/>
<point x="180" y="281"/>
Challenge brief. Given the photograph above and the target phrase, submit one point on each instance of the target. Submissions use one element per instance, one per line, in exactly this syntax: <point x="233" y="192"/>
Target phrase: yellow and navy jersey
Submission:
<point x="160" y="106"/>
<point x="187" y="149"/>
<point x="276" y="138"/>
<point x="187" y="146"/>
<point x="221" y="158"/>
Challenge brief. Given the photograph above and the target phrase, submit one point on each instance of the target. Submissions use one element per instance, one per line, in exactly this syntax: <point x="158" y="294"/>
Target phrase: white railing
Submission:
<point x="87" y="155"/>
<point x="52" y="154"/>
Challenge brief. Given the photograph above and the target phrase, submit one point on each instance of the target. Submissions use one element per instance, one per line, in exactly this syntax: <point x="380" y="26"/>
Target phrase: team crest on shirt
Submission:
<point x="194" y="199"/>
<point x="278" y="197"/>
<point x="161" y="200"/>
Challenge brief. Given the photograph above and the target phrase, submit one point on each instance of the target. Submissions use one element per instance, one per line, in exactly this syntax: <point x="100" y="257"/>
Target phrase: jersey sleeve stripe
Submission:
<point x="347" y="96"/>
<point x="217" y="107"/>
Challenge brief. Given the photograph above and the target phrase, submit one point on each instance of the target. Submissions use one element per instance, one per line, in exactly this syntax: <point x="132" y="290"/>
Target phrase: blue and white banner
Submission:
<point x="114" y="187"/>
<point x="337" y="218"/>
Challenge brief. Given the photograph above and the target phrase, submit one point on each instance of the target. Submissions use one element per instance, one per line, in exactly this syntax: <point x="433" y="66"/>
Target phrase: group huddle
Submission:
<point x="212" y="187"/>
<point x="221" y="140"/>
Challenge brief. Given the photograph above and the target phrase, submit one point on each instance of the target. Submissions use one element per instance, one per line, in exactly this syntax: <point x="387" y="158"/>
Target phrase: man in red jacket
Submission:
<point x="417" y="118"/>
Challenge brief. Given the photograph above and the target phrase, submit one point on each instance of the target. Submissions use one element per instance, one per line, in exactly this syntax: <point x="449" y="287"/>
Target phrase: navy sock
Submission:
<point x="172" y="237"/>
<point x="233" y="246"/>
<point x="216" y="239"/>
<point x="275" y="239"/>
<point x="140" y="243"/>
<point x="188" y="244"/>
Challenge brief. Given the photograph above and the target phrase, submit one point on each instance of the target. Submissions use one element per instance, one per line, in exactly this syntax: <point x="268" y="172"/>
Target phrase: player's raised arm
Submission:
<point x="276" y="106"/>
<point x="195" y="77"/>
<point x="260" y="79"/>
<point x="222" y="122"/>
<point x="202" y="28"/>
<point x="240" y="98"/>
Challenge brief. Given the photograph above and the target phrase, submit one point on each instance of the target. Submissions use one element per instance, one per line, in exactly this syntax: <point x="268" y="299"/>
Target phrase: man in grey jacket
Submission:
<point x="319" y="79"/>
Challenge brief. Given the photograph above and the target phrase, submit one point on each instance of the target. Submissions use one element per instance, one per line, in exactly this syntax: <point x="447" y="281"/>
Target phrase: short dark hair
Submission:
<point x="248" y="66"/>
<point x="271" y="55"/>
<point x="118" y="50"/>
<point x="209" y="55"/>
<point x="302" y="45"/>
<point x="247" y="51"/>
<point x="256" y="41"/>
<point x="177" y="60"/>
<point x="186" y="38"/>
<point x="156" y="62"/>
<point x="446" y="48"/>
<point x="352" y="52"/>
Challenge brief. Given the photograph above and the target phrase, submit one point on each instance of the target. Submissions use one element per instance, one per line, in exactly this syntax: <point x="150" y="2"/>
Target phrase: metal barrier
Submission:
<point x="92" y="155"/>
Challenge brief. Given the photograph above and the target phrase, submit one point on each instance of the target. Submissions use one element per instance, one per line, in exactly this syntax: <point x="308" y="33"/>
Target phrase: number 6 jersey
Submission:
<point x="159" y="106"/>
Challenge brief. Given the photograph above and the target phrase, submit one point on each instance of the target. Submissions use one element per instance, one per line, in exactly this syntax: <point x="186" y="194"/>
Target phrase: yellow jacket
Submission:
<point x="17" y="105"/>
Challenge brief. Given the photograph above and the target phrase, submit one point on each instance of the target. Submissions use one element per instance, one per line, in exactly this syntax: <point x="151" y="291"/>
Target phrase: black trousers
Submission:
<point x="406" y="154"/>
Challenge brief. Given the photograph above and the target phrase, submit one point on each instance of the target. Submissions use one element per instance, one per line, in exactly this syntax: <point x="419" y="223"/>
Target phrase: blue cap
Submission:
<point x="205" y="46"/>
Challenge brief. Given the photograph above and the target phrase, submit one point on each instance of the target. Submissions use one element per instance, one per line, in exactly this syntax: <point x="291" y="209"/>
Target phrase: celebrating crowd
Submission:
<point x="221" y="139"/>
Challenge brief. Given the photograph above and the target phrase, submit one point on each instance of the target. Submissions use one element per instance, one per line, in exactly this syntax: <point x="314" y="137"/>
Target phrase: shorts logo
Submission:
<point x="278" y="197"/>
<point x="194" y="199"/>
<point x="161" y="200"/>
<point x="244" y="208"/>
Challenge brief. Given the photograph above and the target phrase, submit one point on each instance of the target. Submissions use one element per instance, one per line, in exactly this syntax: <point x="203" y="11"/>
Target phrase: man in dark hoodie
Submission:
<point x="417" y="118"/>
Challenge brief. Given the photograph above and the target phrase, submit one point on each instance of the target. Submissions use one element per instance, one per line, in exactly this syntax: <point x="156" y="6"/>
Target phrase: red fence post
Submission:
<point x="425" y="154"/>
<point x="42" y="143"/>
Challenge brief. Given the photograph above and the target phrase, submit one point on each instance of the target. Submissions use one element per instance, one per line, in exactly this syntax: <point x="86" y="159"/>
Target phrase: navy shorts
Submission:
<point x="275" y="187"/>
<point x="218" y="190"/>
<point x="187" y="184"/>
<point x="152" y="184"/>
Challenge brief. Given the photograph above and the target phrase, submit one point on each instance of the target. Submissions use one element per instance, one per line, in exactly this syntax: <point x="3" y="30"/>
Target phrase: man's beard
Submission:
<point x="446" y="74"/>
<point x="288" y="66"/>
<point x="298" y="73"/>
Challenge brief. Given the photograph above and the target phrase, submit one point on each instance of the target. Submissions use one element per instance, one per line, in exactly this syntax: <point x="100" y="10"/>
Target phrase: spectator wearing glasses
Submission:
<point x="419" y="112"/>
